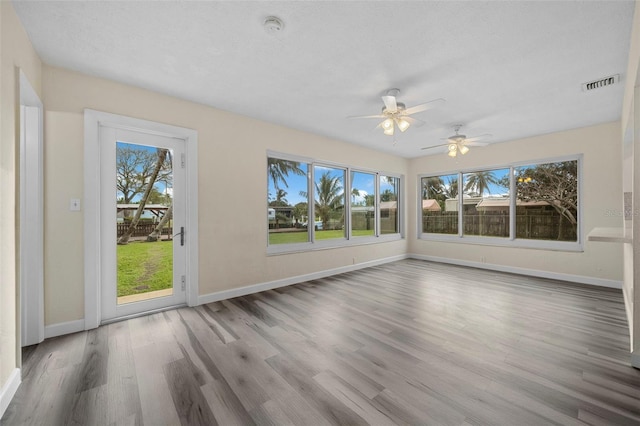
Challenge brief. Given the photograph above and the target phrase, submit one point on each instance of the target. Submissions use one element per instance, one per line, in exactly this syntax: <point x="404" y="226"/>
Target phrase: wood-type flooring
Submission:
<point x="409" y="342"/>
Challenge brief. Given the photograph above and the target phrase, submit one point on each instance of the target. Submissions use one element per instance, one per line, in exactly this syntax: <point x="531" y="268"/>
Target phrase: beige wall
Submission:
<point x="16" y="53"/>
<point x="232" y="188"/>
<point x="601" y="191"/>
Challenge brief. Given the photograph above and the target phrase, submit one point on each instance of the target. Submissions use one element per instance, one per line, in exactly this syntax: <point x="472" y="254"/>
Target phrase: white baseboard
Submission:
<point x="61" y="328"/>
<point x="9" y="390"/>
<point x="270" y="285"/>
<point x="581" y="279"/>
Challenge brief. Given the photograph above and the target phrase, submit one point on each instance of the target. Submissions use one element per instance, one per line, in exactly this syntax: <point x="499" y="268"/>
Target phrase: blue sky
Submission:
<point x="494" y="190"/>
<point x="364" y="182"/>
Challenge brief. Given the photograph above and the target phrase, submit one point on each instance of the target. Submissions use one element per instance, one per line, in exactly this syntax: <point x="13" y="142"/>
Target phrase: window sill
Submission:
<point x="277" y="250"/>
<point x="567" y="246"/>
<point x="609" y="235"/>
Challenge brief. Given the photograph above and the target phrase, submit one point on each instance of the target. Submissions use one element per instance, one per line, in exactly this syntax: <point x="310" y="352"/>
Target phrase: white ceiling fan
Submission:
<point x="460" y="143"/>
<point x="396" y="114"/>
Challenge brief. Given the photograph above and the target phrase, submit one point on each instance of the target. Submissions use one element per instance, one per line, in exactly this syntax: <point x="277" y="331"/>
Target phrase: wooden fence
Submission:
<point x="142" y="229"/>
<point x="529" y="226"/>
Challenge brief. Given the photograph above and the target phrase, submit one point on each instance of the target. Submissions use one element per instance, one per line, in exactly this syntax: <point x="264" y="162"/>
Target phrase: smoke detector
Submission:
<point x="273" y="25"/>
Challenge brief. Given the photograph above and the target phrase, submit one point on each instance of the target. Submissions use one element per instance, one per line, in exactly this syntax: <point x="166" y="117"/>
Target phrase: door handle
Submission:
<point x="181" y="233"/>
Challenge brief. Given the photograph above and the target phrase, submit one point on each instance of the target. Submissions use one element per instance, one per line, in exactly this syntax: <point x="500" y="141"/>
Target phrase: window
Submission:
<point x="531" y="205"/>
<point x="485" y="203"/>
<point x="547" y="201"/>
<point x="314" y="204"/>
<point x="287" y="206"/>
<point x="363" y="210"/>
<point x="389" y="218"/>
<point x="329" y="202"/>
<point x="439" y="204"/>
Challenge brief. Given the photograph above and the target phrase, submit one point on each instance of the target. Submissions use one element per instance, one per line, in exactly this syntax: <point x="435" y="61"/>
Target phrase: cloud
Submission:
<point x="358" y="199"/>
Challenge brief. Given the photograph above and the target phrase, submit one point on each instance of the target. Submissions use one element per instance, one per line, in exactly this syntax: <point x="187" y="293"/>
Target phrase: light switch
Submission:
<point x="74" y="205"/>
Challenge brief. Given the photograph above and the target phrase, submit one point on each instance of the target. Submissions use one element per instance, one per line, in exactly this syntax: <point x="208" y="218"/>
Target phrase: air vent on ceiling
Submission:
<point x="602" y="82"/>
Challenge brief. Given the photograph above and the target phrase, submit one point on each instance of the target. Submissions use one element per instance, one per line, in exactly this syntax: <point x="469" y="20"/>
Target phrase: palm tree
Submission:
<point x="157" y="231"/>
<point x="479" y="182"/>
<point x="280" y="201"/>
<point x="451" y="188"/>
<point x="330" y="196"/>
<point x="279" y="170"/>
<point x="432" y="187"/>
<point x="355" y="192"/>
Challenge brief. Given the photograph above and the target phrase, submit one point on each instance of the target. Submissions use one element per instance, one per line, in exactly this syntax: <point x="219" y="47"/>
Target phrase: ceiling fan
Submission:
<point x="396" y="114"/>
<point x="460" y="143"/>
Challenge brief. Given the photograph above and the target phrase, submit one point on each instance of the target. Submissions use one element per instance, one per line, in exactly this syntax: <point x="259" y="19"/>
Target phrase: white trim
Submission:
<point x="31" y="243"/>
<point x="581" y="279"/>
<point x="270" y="285"/>
<point x="62" y="328"/>
<point x="92" y="120"/>
<point x="9" y="389"/>
<point x="549" y="245"/>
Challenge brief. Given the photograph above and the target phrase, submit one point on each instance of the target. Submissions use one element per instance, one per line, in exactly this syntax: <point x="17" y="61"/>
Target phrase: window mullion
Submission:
<point x="347" y="202"/>
<point x="311" y="205"/>
<point x="513" y="197"/>
<point x="460" y="204"/>
<point x="376" y="204"/>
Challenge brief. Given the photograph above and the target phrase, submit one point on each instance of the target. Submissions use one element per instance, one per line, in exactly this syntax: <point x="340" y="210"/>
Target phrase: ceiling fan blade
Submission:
<point x="475" y="138"/>
<point x="390" y="103"/>
<point x="367" y="116"/>
<point x="425" y="106"/>
<point x="435" y="146"/>
<point x="413" y="121"/>
<point x="476" y="143"/>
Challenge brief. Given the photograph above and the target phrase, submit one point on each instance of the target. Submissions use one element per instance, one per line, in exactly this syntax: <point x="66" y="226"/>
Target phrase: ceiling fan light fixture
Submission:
<point x="387" y="124"/>
<point x="463" y="149"/>
<point x="402" y="124"/>
<point x="389" y="131"/>
<point x="452" y="153"/>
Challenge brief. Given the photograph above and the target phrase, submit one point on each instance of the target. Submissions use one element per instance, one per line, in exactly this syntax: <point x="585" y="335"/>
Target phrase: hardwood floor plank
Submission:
<point x="93" y="370"/>
<point x="191" y="406"/>
<point x="351" y="398"/>
<point x="326" y="404"/>
<point x="156" y="402"/>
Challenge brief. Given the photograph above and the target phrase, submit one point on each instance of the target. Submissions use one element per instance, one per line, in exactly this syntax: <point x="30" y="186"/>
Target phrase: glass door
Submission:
<point x="143" y="210"/>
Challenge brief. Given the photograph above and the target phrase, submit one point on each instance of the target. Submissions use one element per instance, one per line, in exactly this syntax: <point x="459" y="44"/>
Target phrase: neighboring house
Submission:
<point x="151" y="211"/>
<point x="431" y="205"/>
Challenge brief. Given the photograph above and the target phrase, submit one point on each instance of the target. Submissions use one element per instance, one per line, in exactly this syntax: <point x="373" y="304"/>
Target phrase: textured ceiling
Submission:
<point x="512" y="69"/>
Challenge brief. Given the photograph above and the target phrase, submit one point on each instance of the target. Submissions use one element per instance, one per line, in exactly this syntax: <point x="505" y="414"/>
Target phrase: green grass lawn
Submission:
<point x="144" y="267"/>
<point x="301" y="237"/>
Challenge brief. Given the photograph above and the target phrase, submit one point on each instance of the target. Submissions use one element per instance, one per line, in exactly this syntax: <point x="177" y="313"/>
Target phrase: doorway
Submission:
<point x="140" y="217"/>
<point x="143" y="265"/>
<point x="31" y="242"/>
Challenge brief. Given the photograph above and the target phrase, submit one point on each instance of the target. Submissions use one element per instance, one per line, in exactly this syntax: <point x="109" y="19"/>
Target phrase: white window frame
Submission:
<point x="349" y="240"/>
<point x="511" y="241"/>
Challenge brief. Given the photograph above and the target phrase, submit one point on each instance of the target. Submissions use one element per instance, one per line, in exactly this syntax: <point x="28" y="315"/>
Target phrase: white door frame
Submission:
<point x="92" y="211"/>
<point x="31" y="216"/>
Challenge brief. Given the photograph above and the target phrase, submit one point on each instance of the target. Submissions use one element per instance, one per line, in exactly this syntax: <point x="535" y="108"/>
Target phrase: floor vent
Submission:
<point x="603" y="82"/>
